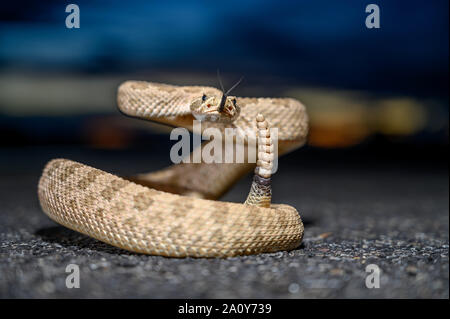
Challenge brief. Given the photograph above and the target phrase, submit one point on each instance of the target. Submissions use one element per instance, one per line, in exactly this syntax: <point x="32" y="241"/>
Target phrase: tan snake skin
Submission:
<point x="174" y="212"/>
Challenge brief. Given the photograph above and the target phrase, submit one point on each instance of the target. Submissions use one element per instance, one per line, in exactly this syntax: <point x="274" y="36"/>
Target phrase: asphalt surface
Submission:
<point x="356" y="213"/>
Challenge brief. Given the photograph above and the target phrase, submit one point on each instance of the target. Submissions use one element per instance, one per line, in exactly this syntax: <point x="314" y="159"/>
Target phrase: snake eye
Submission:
<point x="209" y="105"/>
<point x="234" y="102"/>
<point x="204" y="97"/>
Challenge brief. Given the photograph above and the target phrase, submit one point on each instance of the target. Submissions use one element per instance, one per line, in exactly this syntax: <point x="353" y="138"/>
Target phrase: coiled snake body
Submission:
<point x="174" y="212"/>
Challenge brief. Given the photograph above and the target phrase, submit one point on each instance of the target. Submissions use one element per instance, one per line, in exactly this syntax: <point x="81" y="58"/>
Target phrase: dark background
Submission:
<point x="361" y="86"/>
<point x="371" y="184"/>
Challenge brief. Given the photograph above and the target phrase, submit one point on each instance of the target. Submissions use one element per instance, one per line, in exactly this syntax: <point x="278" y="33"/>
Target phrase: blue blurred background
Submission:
<point x="377" y="89"/>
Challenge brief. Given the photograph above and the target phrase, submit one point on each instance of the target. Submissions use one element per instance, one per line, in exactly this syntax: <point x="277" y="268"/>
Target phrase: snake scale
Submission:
<point x="174" y="212"/>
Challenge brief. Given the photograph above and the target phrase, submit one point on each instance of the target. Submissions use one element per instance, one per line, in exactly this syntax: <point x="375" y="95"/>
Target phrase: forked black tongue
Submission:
<point x="222" y="102"/>
<point x="225" y="94"/>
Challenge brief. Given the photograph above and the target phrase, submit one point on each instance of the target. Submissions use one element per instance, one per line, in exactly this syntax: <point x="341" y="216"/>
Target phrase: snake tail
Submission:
<point x="261" y="190"/>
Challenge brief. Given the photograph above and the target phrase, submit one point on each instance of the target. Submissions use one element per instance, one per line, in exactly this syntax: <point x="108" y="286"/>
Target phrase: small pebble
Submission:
<point x="293" y="288"/>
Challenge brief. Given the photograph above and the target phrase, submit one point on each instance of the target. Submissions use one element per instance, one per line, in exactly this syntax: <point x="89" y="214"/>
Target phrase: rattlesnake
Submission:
<point x="174" y="212"/>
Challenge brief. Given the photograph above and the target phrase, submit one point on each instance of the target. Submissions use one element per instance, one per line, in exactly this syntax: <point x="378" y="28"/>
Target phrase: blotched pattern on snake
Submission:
<point x="175" y="212"/>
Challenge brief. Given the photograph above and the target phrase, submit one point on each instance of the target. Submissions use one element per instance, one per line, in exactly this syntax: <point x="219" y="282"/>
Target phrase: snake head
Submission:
<point x="211" y="108"/>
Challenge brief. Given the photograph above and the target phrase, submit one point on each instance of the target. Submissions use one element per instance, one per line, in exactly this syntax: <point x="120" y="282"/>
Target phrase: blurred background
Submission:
<point x="369" y="92"/>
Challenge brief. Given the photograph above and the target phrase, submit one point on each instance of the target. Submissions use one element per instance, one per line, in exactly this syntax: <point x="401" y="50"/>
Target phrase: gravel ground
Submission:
<point x="355" y="214"/>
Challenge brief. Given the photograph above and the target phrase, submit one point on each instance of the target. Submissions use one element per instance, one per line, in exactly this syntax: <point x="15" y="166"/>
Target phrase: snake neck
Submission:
<point x="261" y="190"/>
